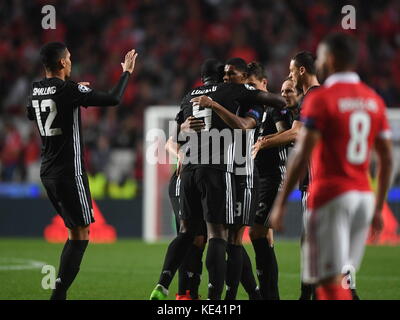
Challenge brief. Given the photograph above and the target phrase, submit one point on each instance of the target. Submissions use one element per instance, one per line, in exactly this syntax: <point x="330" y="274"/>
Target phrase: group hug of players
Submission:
<point x="238" y="177"/>
<point x="255" y="182"/>
<point x="215" y="201"/>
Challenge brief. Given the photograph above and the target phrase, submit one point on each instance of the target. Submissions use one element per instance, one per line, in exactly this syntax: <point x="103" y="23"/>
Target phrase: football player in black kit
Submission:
<point x="271" y="167"/>
<point x="207" y="188"/>
<point x="303" y="74"/>
<point x="239" y="268"/>
<point x="54" y="104"/>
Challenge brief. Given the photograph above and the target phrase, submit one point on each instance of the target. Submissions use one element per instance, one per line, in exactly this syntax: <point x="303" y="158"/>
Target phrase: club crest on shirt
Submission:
<point x="249" y="87"/>
<point x="83" y="88"/>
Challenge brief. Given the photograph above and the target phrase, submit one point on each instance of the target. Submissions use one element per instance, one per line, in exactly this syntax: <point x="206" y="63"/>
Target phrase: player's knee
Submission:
<point x="270" y="237"/>
<point x="257" y="232"/>
<point x="235" y="235"/>
<point x="79" y="233"/>
<point x="200" y="242"/>
<point x="217" y="231"/>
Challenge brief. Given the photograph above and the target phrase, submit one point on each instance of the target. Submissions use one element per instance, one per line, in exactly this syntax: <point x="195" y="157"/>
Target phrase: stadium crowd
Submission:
<point x="173" y="38"/>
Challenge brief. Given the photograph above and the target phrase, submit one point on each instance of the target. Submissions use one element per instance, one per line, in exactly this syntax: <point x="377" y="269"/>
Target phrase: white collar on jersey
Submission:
<point x="346" y="77"/>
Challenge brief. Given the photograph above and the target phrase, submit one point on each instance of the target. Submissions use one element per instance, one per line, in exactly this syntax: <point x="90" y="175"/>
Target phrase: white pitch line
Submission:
<point x="7" y="264"/>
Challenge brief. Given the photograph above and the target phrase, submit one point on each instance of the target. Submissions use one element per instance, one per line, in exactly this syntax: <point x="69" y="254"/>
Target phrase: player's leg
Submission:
<point x="360" y="224"/>
<point x="328" y="235"/>
<point x="183" y="278"/>
<point x="218" y="199"/>
<point x="74" y="202"/>
<point x="179" y="247"/>
<point x="247" y="279"/>
<point x="307" y="290"/>
<point x="215" y="260"/>
<point x="235" y="260"/>
<point x="176" y="253"/>
<point x="267" y="267"/>
<point x="262" y="239"/>
<point x="196" y="261"/>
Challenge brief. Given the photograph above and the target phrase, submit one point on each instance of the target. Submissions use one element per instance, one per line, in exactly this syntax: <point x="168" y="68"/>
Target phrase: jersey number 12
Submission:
<point x="39" y="107"/>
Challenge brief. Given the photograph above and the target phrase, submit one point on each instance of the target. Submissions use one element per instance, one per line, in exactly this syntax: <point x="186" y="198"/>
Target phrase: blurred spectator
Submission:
<point x="172" y="37"/>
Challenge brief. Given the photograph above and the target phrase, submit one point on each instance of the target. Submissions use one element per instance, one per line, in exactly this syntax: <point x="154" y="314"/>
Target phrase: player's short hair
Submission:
<point x="238" y="63"/>
<point x="257" y="70"/>
<point x="212" y="68"/>
<point x="51" y="53"/>
<point x="307" y="60"/>
<point x="343" y="47"/>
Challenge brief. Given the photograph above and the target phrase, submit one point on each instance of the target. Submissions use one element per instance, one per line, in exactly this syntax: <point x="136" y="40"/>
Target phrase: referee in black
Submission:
<point x="54" y="104"/>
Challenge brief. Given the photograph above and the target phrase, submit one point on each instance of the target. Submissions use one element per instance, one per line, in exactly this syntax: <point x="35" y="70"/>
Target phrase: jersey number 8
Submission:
<point x="47" y="131"/>
<point x="357" y="147"/>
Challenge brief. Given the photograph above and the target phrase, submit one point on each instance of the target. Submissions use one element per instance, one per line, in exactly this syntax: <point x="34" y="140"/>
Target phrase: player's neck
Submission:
<point x="59" y="75"/>
<point x="312" y="81"/>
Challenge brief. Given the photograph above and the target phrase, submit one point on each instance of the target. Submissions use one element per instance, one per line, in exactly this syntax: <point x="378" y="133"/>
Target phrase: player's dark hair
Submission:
<point x="344" y="48"/>
<point x="307" y="60"/>
<point x="257" y="70"/>
<point x="212" y="70"/>
<point x="51" y="53"/>
<point x="238" y="63"/>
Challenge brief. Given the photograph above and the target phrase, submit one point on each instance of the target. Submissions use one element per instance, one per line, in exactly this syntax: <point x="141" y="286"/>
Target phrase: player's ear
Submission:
<point x="265" y="82"/>
<point x="302" y="70"/>
<point x="63" y="63"/>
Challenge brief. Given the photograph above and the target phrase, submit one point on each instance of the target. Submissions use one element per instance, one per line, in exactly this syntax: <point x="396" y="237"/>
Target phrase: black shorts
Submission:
<point x="268" y="189"/>
<point x="173" y="191"/>
<point x="246" y="201"/>
<point x="209" y="194"/>
<point x="71" y="199"/>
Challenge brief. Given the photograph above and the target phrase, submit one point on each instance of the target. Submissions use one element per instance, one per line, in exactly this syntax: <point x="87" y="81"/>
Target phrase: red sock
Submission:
<point x="333" y="292"/>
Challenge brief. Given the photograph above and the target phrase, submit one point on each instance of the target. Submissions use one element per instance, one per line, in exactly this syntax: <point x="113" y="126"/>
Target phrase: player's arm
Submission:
<point x="296" y="165"/>
<point x="383" y="147"/>
<point x="114" y="96"/>
<point x="283" y="138"/>
<point x="258" y="97"/>
<point x="232" y="120"/>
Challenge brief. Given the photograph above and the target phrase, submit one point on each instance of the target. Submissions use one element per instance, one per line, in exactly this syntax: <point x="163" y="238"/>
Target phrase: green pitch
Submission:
<point x="129" y="269"/>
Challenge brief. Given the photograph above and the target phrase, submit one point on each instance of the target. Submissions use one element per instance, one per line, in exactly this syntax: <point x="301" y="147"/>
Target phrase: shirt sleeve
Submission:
<point x="277" y="115"/>
<point x="30" y="112"/>
<point x="256" y="113"/>
<point x="86" y="96"/>
<point x="314" y="112"/>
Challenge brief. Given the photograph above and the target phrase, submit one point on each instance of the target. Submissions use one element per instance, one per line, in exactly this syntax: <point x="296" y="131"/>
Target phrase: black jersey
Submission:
<point x="303" y="185"/>
<point x="214" y="145"/>
<point x="55" y="106"/>
<point x="245" y="168"/>
<point x="272" y="161"/>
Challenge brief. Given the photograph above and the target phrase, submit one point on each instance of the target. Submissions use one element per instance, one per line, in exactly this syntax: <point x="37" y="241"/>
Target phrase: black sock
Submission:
<point x="190" y="272"/>
<point x="234" y="266"/>
<point x="176" y="252"/>
<point x="247" y="279"/>
<point x="183" y="280"/>
<point x="354" y="294"/>
<point x="195" y="270"/>
<point x="307" y="292"/>
<point x="267" y="269"/>
<point x="216" y="266"/>
<point x="70" y="261"/>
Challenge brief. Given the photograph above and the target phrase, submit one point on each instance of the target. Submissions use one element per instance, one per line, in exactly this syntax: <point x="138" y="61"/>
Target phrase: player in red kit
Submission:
<point x="344" y="120"/>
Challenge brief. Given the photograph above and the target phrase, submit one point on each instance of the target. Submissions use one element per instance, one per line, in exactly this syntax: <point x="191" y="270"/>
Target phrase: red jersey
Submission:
<point x="349" y="116"/>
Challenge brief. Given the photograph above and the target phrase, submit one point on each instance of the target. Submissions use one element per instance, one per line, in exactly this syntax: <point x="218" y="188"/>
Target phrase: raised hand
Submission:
<point x="129" y="63"/>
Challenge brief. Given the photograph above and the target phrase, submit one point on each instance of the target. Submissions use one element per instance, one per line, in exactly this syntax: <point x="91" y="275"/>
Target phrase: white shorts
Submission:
<point x="335" y="236"/>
